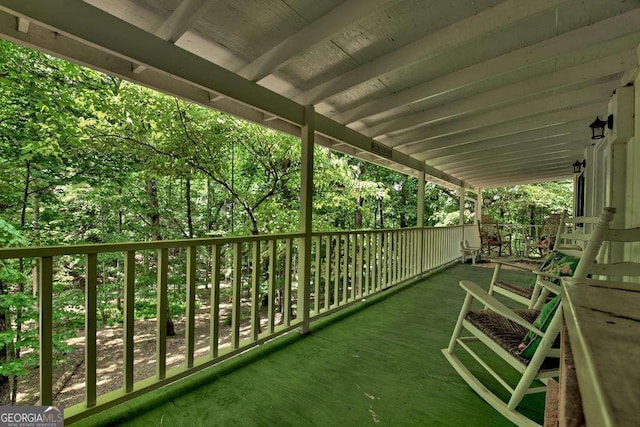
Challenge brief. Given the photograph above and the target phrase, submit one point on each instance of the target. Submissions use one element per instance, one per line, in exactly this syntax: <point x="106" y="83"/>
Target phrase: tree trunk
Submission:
<point x="209" y="206"/>
<point x="359" y="200"/>
<point x="5" y="389"/>
<point x="36" y="242"/>
<point x="14" y="351"/>
<point x="358" y="218"/>
<point x="403" y="198"/>
<point x="154" y="219"/>
<point x="189" y="213"/>
<point x="154" y="210"/>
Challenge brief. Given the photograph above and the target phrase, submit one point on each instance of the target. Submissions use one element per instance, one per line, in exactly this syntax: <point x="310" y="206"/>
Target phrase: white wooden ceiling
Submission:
<point x="483" y="93"/>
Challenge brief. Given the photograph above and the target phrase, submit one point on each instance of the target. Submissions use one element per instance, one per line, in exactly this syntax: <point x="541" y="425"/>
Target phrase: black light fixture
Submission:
<point x="597" y="127"/>
<point x="578" y="165"/>
<point x="597" y="131"/>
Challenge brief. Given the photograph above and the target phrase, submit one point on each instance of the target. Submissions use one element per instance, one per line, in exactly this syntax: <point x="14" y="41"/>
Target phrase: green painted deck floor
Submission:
<point x="380" y="363"/>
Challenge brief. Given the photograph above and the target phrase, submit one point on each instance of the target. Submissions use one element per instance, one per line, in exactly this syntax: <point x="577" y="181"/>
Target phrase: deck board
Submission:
<point x="377" y="365"/>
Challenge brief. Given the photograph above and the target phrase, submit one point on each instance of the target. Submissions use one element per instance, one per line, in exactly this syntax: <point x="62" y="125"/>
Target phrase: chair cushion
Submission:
<point x="531" y="339"/>
<point x="559" y="264"/>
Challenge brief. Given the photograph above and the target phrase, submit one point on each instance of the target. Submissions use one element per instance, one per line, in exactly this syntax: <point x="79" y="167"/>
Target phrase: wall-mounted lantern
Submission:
<point x="597" y="127"/>
<point x="578" y="165"/>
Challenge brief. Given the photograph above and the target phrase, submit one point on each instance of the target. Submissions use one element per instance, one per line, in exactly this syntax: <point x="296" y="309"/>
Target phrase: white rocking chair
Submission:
<point x="569" y="240"/>
<point x="502" y="330"/>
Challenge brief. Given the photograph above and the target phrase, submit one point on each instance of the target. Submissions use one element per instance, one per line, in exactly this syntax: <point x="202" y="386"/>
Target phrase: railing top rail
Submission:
<point x="363" y="231"/>
<point x="93" y="248"/>
<point x="379" y="230"/>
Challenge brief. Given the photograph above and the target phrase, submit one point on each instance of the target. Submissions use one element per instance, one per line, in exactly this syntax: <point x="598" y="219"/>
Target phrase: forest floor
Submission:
<point x="69" y="371"/>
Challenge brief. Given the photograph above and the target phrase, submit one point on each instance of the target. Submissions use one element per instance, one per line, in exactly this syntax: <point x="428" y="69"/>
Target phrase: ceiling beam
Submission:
<point x="541" y="86"/>
<point x="491" y="19"/>
<point x="332" y="23"/>
<point x="473" y="143"/>
<point x="536" y="138"/>
<point x="514" y="152"/>
<point x="23" y="25"/>
<point x="530" y="153"/>
<point x="552" y="176"/>
<point x="600" y="92"/>
<point x="497" y="165"/>
<point x="423" y="150"/>
<point x="523" y="173"/>
<point x="601" y="32"/>
<point x="522" y="166"/>
<point x="180" y="20"/>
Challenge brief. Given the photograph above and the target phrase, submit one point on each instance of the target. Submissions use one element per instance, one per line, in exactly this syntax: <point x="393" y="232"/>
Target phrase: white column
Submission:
<point x="306" y="208"/>
<point x="590" y="182"/>
<point x="621" y="107"/>
<point x="479" y="206"/>
<point x="420" y="221"/>
<point x="461" y="204"/>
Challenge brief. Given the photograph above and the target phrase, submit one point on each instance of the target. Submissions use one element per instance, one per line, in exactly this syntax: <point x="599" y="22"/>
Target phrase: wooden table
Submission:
<point x="603" y="324"/>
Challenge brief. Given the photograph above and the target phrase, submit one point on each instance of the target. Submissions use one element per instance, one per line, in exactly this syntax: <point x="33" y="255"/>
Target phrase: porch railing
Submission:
<point x="346" y="266"/>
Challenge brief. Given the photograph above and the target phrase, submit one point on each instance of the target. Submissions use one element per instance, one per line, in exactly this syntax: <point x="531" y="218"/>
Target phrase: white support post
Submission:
<point x="621" y="107"/>
<point x="306" y="207"/>
<point x="461" y="203"/>
<point x="420" y="221"/>
<point x="590" y="182"/>
<point x="479" y="206"/>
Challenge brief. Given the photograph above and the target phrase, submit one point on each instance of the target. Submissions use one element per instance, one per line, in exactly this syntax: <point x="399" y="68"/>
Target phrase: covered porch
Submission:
<point x="466" y="96"/>
<point x="378" y="362"/>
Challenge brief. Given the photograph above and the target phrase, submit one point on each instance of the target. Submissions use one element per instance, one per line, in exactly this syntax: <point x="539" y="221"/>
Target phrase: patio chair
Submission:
<point x="568" y="246"/>
<point x="490" y="238"/>
<point x="469" y="251"/>
<point x="504" y="331"/>
<point x="546" y="236"/>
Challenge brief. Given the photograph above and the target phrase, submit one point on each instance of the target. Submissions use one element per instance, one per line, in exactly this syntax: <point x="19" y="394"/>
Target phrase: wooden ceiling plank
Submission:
<point x="604" y="31"/>
<point x="491" y="19"/>
<point x="499" y="141"/>
<point x="330" y="24"/>
<point x="585" y="112"/>
<point x="497" y="165"/>
<point x="584" y="96"/>
<point x="553" y="176"/>
<point x="523" y="173"/>
<point x="510" y="143"/>
<point x="541" y="86"/>
<point x="534" y="152"/>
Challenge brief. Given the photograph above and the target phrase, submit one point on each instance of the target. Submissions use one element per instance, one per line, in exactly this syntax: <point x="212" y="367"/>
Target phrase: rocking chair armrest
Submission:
<point x="552" y="287"/>
<point x="509" y="264"/>
<point x="496" y="306"/>
<point x="545" y="274"/>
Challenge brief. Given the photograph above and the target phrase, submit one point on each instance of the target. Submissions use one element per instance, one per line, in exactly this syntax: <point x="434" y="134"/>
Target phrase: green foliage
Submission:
<point x="89" y="158"/>
<point x="528" y="204"/>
